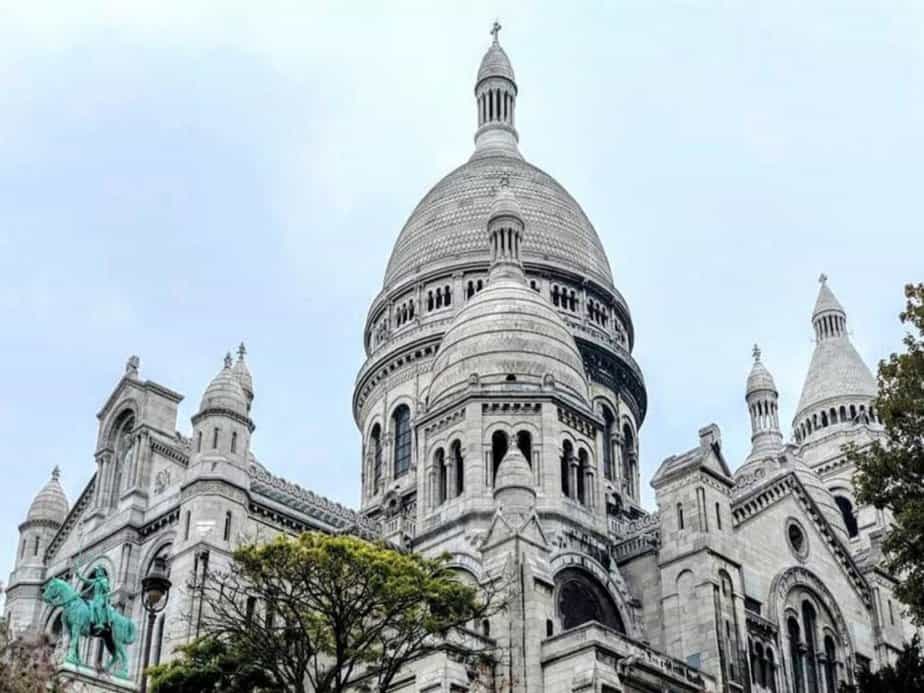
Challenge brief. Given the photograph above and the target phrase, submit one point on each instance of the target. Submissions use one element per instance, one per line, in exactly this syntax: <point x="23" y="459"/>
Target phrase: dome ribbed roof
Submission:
<point x="495" y="63"/>
<point x="447" y="227"/>
<point x="511" y="338"/>
<point x="836" y="371"/>
<point x="50" y="503"/>
<point x="225" y="392"/>
<point x="759" y="377"/>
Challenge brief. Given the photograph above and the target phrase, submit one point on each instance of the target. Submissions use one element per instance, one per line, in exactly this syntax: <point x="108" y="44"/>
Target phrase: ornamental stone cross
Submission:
<point x="495" y="30"/>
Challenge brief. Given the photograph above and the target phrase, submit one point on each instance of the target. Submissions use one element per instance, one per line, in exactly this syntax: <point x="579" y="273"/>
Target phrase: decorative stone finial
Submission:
<point x="822" y="278"/>
<point x="495" y="30"/>
<point x="228" y="360"/>
<point x="132" y="365"/>
<point x="56" y="473"/>
<point x="756" y="353"/>
<point x="241" y="351"/>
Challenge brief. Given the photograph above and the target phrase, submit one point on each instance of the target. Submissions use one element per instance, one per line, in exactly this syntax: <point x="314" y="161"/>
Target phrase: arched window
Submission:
<point x="233" y="441"/>
<point x="375" y="441"/>
<point x="583" y="467"/>
<point x="499" y="445"/>
<point x="628" y="460"/>
<point x="525" y="444"/>
<point x="680" y="516"/>
<point x="808" y="623"/>
<point x="215" y="438"/>
<point x="124" y="454"/>
<point x="582" y="598"/>
<point x="850" y="519"/>
<point x="843" y="412"/>
<point x="456" y="452"/>
<point x="771" y="672"/>
<point x="447" y="292"/>
<point x="227" y="532"/>
<point x="35" y="547"/>
<point x="439" y="461"/>
<point x="402" y="425"/>
<point x="566" y="455"/>
<point x="608" y="421"/>
<point x="830" y="664"/>
<point x="471" y="289"/>
<point x="795" y="655"/>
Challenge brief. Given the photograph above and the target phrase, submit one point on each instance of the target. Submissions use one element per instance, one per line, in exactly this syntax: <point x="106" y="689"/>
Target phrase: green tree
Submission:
<point x="325" y="613"/>
<point x="210" y="664"/>
<point x="890" y="474"/>
<point x="906" y="675"/>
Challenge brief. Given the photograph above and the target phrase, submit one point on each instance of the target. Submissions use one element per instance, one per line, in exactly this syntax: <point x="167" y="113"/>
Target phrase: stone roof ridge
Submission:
<point x="258" y="471"/>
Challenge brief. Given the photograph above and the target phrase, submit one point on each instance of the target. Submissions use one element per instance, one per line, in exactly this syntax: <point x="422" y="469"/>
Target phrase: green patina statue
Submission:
<point x="93" y="617"/>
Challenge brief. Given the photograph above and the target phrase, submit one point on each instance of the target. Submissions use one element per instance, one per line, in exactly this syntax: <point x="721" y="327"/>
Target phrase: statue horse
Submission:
<point x="78" y="622"/>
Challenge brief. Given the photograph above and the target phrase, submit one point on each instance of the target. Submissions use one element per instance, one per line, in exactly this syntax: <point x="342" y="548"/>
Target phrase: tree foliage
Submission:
<point x="210" y="664"/>
<point x="325" y="613"/>
<point x="890" y="474"/>
<point x="906" y="675"/>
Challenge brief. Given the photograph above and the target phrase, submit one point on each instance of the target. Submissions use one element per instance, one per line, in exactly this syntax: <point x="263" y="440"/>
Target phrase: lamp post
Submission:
<point x="155" y="590"/>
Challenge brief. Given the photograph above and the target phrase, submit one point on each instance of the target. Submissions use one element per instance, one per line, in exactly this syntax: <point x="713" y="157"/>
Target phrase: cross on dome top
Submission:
<point x="756" y="353"/>
<point x="822" y="278"/>
<point x="495" y="30"/>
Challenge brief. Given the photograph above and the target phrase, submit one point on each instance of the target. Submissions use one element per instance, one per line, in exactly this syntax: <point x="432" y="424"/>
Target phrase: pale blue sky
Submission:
<point x="175" y="178"/>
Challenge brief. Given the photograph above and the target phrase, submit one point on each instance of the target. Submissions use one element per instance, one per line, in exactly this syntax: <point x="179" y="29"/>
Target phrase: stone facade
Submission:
<point x="499" y="408"/>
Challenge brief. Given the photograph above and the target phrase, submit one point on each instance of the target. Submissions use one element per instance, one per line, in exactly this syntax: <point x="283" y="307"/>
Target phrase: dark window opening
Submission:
<point x="402" y="423"/>
<point x="525" y="444"/>
<point x="850" y="519"/>
<point x="499" y="445"/>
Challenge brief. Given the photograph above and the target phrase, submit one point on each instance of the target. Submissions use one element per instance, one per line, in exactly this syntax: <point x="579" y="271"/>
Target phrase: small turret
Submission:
<point x="222" y="427"/>
<point x="46" y="514"/>
<point x="762" y="399"/>
<point x="496" y="97"/>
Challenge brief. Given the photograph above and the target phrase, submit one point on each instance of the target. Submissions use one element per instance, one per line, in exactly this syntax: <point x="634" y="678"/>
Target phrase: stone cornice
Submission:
<point x="221" y="411"/>
<point x="167" y="451"/>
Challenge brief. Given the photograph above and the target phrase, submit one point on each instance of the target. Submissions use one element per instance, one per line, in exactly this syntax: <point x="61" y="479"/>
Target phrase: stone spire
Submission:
<point x="496" y="97"/>
<point x="50" y="503"/>
<point x="838" y="386"/>
<point x="762" y="399"/>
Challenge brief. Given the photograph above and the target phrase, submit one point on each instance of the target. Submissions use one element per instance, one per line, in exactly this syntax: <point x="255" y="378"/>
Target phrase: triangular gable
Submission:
<point x="754" y="504"/>
<point x="66" y="541"/>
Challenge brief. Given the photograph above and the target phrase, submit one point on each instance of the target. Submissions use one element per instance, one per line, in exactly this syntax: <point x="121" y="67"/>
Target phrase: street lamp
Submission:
<point x="155" y="590"/>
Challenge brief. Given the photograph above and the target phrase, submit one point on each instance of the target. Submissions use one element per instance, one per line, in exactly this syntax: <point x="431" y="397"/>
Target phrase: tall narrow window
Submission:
<point x="499" y="445"/>
<point x="375" y="440"/>
<point x="680" y="515"/>
<point x="566" y="455"/>
<point x="186" y="529"/>
<point x="718" y="516"/>
<point x="215" y="438"/>
<point x="525" y="445"/>
<point x="35" y="549"/>
<point x="850" y="520"/>
<point x="199" y="441"/>
<point x="808" y="623"/>
<point x="583" y="466"/>
<point x="227" y="532"/>
<point x="250" y="609"/>
<point x="830" y="664"/>
<point x="402" y="425"/>
<point x="608" y="420"/>
<point x="233" y="441"/>
<point x="456" y="452"/>
<point x="439" y="462"/>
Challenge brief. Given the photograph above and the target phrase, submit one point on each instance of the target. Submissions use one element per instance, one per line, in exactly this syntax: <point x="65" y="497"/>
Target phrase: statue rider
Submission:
<point x="100" y="609"/>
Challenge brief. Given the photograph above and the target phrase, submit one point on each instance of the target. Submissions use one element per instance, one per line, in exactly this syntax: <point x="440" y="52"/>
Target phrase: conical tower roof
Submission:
<point x="225" y="391"/>
<point x="50" y="503"/>
<point x="836" y="372"/>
